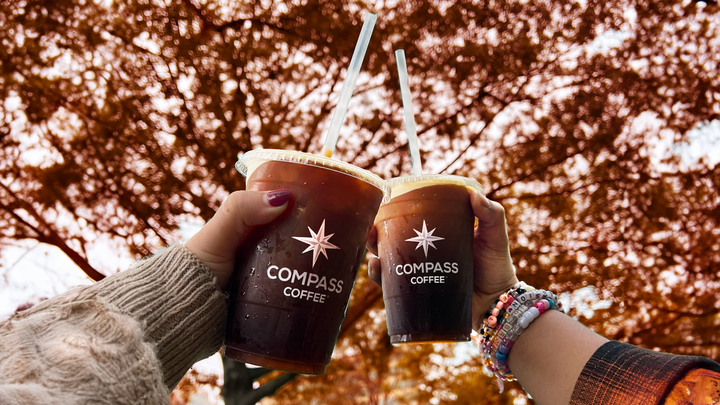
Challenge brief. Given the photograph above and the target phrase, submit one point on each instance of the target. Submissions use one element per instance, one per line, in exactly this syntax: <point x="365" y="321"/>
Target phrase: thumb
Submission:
<point x="491" y="231"/>
<point x="216" y="242"/>
<point x="243" y="210"/>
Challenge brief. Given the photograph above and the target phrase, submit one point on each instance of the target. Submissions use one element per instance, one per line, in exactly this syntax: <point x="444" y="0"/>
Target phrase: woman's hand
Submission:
<point x="494" y="272"/>
<point x="216" y="243"/>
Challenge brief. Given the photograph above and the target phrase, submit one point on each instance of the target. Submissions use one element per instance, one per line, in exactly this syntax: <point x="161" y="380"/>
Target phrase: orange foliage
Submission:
<point x="123" y="118"/>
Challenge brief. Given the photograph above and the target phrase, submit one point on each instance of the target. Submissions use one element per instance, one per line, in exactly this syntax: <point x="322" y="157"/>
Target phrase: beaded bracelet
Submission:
<point x="512" y="313"/>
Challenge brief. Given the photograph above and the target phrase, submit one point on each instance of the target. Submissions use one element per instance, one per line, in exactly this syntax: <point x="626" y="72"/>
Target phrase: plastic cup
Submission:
<point x="425" y="236"/>
<point x="293" y="277"/>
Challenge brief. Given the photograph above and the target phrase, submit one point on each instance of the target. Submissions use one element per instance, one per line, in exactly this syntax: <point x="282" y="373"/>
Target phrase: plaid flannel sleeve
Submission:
<point x="623" y="374"/>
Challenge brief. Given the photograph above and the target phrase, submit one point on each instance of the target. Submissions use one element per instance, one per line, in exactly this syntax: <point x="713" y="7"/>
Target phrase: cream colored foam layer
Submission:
<point x="250" y="161"/>
<point x="405" y="184"/>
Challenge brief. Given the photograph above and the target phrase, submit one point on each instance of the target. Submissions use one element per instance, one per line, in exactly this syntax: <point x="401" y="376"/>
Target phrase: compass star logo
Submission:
<point x="425" y="238"/>
<point x="317" y="242"/>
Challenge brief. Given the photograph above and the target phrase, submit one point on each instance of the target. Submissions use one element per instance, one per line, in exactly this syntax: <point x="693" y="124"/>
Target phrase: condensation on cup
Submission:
<point x="293" y="277"/>
<point x="425" y="236"/>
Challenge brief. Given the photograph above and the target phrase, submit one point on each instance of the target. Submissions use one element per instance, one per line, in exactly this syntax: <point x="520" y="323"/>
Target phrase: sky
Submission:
<point x="32" y="271"/>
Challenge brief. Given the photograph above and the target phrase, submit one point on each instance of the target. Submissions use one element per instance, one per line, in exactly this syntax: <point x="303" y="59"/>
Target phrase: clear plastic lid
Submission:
<point x="404" y="184"/>
<point x="248" y="162"/>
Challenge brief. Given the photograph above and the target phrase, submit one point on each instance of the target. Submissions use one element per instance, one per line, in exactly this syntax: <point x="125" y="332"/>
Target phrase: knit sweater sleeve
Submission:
<point x="127" y="339"/>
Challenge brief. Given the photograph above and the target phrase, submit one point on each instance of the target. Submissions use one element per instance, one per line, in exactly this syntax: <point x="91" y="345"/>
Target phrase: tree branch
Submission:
<point x="552" y="194"/>
<point x="267" y="389"/>
<point x="479" y="134"/>
<point x="241" y="22"/>
<point x="257" y="373"/>
<point x="541" y="169"/>
<point x="320" y="116"/>
<point x="375" y="160"/>
<point x="208" y="24"/>
<point x="48" y="235"/>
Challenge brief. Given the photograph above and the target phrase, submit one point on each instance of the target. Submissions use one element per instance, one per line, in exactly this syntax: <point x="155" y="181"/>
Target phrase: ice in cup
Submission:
<point x="425" y="236"/>
<point x="293" y="277"/>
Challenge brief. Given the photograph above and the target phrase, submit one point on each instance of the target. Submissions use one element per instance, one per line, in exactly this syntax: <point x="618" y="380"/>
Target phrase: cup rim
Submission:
<point x="245" y="168"/>
<point x="435" y="179"/>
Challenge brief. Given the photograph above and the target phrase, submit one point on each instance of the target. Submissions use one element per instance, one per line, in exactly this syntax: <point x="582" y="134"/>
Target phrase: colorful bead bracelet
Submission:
<point x="512" y="313"/>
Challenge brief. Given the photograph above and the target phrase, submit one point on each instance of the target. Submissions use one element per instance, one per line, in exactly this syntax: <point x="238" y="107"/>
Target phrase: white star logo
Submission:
<point x="424" y="238"/>
<point x="318" y="242"/>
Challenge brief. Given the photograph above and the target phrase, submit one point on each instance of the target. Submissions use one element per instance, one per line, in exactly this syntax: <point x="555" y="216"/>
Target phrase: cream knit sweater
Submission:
<point x="127" y="339"/>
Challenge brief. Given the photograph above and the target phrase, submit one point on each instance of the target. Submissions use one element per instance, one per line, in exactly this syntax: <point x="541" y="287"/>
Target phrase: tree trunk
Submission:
<point x="238" y="385"/>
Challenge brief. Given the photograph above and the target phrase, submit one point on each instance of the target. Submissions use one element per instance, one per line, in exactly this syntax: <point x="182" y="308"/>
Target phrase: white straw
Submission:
<point x="349" y="85"/>
<point x="408" y="113"/>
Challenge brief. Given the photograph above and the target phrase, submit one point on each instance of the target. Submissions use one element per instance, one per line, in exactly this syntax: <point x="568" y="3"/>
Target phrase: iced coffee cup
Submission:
<point x="425" y="236"/>
<point x="293" y="276"/>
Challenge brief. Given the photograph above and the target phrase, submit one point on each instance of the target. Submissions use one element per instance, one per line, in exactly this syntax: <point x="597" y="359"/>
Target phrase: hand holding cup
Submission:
<point x="493" y="271"/>
<point x="217" y="242"/>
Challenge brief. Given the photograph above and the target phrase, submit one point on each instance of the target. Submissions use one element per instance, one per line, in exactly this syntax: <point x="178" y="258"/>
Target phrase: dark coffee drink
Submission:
<point x="425" y="236"/>
<point x="293" y="277"/>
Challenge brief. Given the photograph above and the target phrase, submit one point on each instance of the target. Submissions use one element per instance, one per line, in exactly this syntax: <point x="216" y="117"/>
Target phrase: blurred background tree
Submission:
<point x="590" y="121"/>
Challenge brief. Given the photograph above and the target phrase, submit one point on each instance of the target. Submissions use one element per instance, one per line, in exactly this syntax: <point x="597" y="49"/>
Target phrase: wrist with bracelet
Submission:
<point x="512" y="313"/>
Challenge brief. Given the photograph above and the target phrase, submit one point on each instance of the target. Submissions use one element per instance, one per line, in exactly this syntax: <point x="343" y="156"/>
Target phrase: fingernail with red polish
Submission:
<point x="277" y="198"/>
